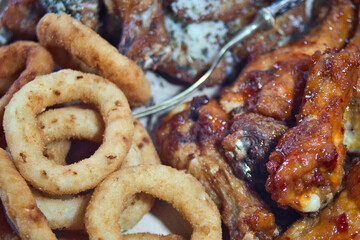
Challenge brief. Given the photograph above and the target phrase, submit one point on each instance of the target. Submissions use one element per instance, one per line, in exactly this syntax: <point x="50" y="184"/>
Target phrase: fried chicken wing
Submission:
<point x="196" y="42"/>
<point x="189" y="138"/>
<point x="180" y="38"/>
<point x="340" y="220"/>
<point x="306" y="168"/>
<point x="269" y="89"/>
<point x="272" y="84"/>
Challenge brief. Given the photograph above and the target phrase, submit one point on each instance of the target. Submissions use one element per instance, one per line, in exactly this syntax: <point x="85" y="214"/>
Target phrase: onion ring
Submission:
<point x="67" y="212"/>
<point x="20" y="204"/>
<point x="26" y="140"/>
<point x="144" y="143"/>
<point x="71" y="122"/>
<point x="21" y="207"/>
<point x="57" y="151"/>
<point x="64" y="212"/>
<point x="29" y="58"/>
<point x="65" y="123"/>
<point x="65" y="32"/>
<point x="161" y="181"/>
<point x="78" y="122"/>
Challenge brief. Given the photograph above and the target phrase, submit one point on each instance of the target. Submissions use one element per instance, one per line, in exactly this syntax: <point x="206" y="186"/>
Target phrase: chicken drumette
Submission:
<point x="306" y="168"/>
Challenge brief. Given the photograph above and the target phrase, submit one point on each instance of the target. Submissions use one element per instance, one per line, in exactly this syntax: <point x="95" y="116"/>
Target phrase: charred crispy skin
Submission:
<point x="306" y="168"/>
<point x="144" y="37"/>
<point x="189" y="138"/>
<point x="251" y="140"/>
<point x="272" y="84"/>
<point x="340" y="220"/>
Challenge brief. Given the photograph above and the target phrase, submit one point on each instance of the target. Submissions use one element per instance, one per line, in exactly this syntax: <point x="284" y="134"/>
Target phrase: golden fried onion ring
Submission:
<point x="182" y="190"/>
<point x="71" y="122"/>
<point x="26" y="140"/>
<point x="29" y="58"/>
<point x="62" y="31"/>
<point x="68" y="212"/>
<point x="57" y="151"/>
<point x="20" y="204"/>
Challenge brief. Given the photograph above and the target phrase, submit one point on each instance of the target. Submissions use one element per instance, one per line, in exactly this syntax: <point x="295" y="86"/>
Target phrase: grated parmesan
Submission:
<point x="195" y="9"/>
<point x="202" y="40"/>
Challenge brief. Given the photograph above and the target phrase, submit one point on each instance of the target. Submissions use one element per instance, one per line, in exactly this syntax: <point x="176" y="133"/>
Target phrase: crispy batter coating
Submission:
<point x="20" y="204"/>
<point x="67" y="212"/>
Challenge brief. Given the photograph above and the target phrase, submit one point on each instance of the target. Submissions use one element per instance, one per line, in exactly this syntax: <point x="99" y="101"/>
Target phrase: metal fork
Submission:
<point x="264" y="20"/>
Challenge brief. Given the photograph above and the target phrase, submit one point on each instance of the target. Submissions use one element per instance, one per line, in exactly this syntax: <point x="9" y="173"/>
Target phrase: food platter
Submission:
<point x="268" y="145"/>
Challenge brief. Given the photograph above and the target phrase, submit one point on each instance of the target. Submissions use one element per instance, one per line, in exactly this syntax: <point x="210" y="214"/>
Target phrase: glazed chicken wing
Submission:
<point x="189" y="138"/>
<point x="340" y="220"/>
<point x="306" y="168"/>
<point x="270" y="89"/>
<point x="272" y="84"/>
